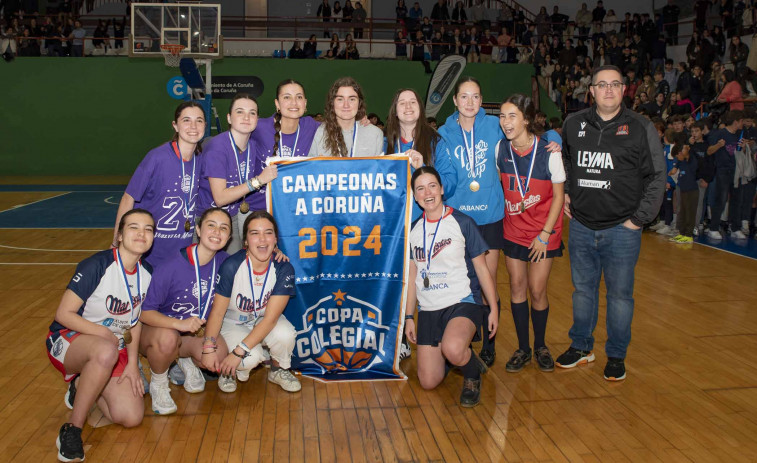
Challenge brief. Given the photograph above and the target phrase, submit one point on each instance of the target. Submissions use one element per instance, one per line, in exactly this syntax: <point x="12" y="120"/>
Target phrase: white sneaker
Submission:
<point x="673" y="232"/>
<point x="404" y="351"/>
<point x="227" y="383"/>
<point x="714" y="235"/>
<point x="285" y="379"/>
<point x="194" y="382"/>
<point x="664" y="230"/>
<point x="162" y="403"/>
<point x="739" y="235"/>
<point x="657" y="226"/>
<point x="745" y="227"/>
<point x="243" y="375"/>
<point x="695" y="232"/>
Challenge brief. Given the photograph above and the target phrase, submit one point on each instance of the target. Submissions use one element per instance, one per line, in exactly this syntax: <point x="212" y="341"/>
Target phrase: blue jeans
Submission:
<point x="613" y="251"/>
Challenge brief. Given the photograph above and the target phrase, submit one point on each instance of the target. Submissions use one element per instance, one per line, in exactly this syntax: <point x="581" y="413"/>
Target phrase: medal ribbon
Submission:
<point x="470" y="151"/>
<point x="183" y="174"/>
<point x="354" y="140"/>
<point x="521" y="188"/>
<point x="398" y="145"/>
<point x="203" y="307"/>
<point x="252" y="286"/>
<point x="430" y="248"/>
<point x="296" y="139"/>
<point x="132" y="321"/>
<point x="236" y="157"/>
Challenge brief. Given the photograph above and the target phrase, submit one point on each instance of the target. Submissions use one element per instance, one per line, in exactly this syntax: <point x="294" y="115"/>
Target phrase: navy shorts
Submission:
<point x="494" y="234"/>
<point x="520" y="252"/>
<point x="432" y="323"/>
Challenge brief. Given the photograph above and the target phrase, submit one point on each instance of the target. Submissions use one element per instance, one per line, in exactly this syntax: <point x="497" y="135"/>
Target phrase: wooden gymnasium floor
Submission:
<point x="691" y="392"/>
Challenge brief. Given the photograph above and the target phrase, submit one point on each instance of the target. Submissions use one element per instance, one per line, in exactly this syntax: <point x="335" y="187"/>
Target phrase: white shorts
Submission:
<point x="279" y="342"/>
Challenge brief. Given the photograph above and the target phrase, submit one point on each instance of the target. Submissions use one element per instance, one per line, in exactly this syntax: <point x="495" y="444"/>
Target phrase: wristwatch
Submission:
<point x="255" y="183"/>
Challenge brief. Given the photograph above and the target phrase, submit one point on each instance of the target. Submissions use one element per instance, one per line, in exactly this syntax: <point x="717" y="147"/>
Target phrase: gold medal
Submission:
<point x="244" y="208"/>
<point x="127" y="336"/>
<point x="200" y="333"/>
<point x="474" y="186"/>
<point x="522" y="206"/>
<point x="187" y="226"/>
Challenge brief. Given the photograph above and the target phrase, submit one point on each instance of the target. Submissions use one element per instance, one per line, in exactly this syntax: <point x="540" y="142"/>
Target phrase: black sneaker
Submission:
<point x="471" y="395"/>
<point x="488" y="357"/>
<point x="70" y="447"/>
<point x="615" y="370"/>
<point x="70" y="394"/>
<point x="574" y="357"/>
<point x="518" y="361"/>
<point x="544" y="359"/>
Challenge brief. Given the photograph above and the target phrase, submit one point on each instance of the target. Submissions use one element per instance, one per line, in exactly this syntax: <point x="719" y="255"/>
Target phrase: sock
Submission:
<point x="471" y="369"/>
<point x="275" y="367"/>
<point x="159" y="378"/>
<point x="520" y="318"/>
<point x="539" y="320"/>
<point x="486" y="343"/>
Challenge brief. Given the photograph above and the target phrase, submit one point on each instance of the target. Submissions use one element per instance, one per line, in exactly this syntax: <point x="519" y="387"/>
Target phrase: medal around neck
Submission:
<point x="200" y="332"/>
<point x="474" y="186"/>
<point x="127" y="336"/>
<point x="187" y="226"/>
<point x="244" y="208"/>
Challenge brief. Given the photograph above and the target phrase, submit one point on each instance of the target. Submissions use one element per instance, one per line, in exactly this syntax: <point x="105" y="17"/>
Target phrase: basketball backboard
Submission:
<point x="194" y="25"/>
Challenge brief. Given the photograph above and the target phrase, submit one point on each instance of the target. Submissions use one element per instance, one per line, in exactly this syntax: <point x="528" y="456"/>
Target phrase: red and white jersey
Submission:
<point x="521" y="227"/>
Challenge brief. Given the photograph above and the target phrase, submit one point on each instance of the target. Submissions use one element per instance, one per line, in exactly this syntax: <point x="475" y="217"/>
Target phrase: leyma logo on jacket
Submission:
<point x="342" y="333"/>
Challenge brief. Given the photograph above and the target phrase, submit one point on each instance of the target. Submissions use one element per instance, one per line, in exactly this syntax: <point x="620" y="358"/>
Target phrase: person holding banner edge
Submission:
<point x="252" y="292"/>
<point x="94" y="337"/>
<point x="532" y="180"/>
<point x="341" y="134"/>
<point x="447" y="272"/>
<point x="228" y="177"/>
<point x="176" y="308"/>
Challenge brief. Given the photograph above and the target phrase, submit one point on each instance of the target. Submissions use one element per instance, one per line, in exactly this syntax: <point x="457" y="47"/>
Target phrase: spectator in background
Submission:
<point x="296" y="52"/>
<point x="725" y="9"/>
<point x="738" y="52"/>
<point x="28" y="45"/>
<point x="487" y="42"/>
<point x="529" y="37"/>
<point x="347" y="11"/>
<point x="503" y="41"/>
<point x="632" y="84"/>
<point x="324" y="12"/>
<point x="8" y="41"/>
<point x="559" y="21"/>
<point x="459" y="17"/>
<point x="440" y="13"/>
<point x="400" y="46"/>
<point x="661" y="85"/>
<point x="718" y="40"/>
<point x="610" y="24"/>
<point x="598" y="13"/>
<point x="427" y="28"/>
<point x="311" y="47"/>
<point x="671" y="74"/>
<point x="350" y="50"/>
<point x="419" y="47"/>
<point x="479" y="16"/>
<point x="472" y="51"/>
<point x="701" y="10"/>
<point x="414" y="17"/>
<point x="670" y="14"/>
<point x="543" y="22"/>
<point x="101" y="39"/>
<point x="438" y="48"/>
<point x="567" y="55"/>
<point x="732" y="91"/>
<point x="334" y="45"/>
<point x="118" y="33"/>
<point x="358" y="18"/>
<point x="77" y="40"/>
<point x="401" y="11"/>
<point x="658" y="53"/>
<point x="337" y="14"/>
<point x="583" y="21"/>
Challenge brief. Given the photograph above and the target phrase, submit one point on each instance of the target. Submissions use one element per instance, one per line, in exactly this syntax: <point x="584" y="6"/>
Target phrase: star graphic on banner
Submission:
<point x="349" y="275"/>
<point x="297" y="280"/>
<point x="370" y="275"/>
<point x="383" y="274"/>
<point x="328" y="275"/>
<point x="312" y="278"/>
<point x="343" y="276"/>
<point x="322" y="275"/>
<point x="339" y="296"/>
<point x="396" y="275"/>
<point x="363" y="275"/>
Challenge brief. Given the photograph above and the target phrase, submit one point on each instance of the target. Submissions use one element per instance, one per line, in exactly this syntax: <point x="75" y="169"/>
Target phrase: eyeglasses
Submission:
<point x="613" y="85"/>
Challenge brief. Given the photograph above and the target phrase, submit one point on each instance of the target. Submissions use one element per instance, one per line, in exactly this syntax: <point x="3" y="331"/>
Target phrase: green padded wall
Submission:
<point x="99" y="116"/>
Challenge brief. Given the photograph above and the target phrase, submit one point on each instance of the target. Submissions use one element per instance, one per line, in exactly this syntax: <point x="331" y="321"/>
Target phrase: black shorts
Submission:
<point x="520" y="252"/>
<point x="494" y="234"/>
<point x="432" y="323"/>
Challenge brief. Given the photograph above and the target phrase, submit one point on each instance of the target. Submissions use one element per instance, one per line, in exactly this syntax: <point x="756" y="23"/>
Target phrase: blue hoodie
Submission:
<point x="487" y="205"/>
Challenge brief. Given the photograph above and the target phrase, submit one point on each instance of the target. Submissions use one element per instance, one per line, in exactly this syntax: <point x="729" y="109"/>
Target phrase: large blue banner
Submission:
<point x="344" y="224"/>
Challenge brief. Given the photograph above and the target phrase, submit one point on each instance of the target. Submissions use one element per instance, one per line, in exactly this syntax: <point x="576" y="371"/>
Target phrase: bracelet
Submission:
<point x="249" y="185"/>
<point x="213" y="352"/>
<point x="244" y="347"/>
<point x="233" y="351"/>
<point x="210" y="346"/>
<point x="541" y="240"/>
<point x="211" y="339"/>
<point x="410" y="317"/>
<point x="548" y="232"/>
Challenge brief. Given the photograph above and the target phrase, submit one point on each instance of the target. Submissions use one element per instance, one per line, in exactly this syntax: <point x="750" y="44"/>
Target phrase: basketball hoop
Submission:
<point x="172" y="53"/>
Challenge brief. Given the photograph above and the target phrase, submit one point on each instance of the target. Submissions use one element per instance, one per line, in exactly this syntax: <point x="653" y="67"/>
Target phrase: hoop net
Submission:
<point x="172" y="53"/>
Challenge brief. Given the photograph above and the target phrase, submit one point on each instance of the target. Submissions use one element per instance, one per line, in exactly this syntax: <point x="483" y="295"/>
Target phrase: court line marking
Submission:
<point x="49" y="250"/>
<point x="724" y="250"/>
<point x="19" y="206"/>
<point x="108" y="202"/>
<point x="39" y="263"/>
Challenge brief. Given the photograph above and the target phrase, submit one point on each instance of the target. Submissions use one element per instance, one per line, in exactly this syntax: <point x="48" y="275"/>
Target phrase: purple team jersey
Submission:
<point x="174" y="291"/>
<point x="264" y="133"/>
<point x="220" y="160"/>
<point x="157" y="186"/>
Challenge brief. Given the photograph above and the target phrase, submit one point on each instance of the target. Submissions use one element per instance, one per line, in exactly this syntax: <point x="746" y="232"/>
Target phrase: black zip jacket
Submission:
<point x="615" y="168"/>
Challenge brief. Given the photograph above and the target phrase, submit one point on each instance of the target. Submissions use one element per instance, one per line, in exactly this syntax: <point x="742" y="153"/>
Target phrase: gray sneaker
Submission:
<point x="285" y="379"/>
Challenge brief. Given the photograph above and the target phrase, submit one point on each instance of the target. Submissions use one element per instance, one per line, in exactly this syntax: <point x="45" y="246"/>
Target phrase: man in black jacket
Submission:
<point x="616" y="179"/>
